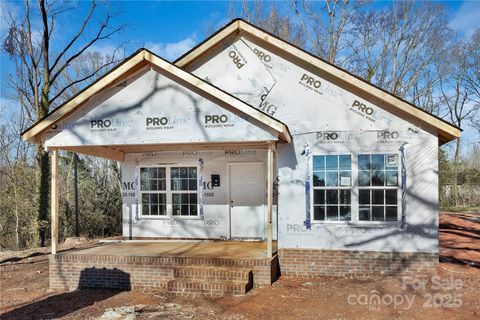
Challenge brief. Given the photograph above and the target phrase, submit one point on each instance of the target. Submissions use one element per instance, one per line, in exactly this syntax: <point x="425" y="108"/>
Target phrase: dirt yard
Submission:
<point x="453" y="294"/>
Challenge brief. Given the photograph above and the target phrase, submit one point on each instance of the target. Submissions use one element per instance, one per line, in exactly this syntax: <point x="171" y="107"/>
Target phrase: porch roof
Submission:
<point x="130" y="68"/>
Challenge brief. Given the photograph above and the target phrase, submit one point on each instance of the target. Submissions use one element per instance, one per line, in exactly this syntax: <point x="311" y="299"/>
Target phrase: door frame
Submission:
<point x="229" y="165"/>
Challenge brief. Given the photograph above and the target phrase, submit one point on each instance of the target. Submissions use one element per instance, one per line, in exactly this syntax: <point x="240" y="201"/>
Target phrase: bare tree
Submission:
<point x="40" y="82"/>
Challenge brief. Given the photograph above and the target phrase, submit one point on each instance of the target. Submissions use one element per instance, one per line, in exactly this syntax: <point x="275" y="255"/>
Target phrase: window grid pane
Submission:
<point x="332" y="181"/>
<point x="378" y="187"/>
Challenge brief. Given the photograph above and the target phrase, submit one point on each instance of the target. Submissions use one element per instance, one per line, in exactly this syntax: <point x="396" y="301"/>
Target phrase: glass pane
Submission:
<point x="153" y="198"/>
<point x="332" y="196"/>
<point x="391" y="161"/>
<point x="162" y="184"/>
<point x="364" y="213"/>
<point x="364" y="197"/>
<point x="162" y="209"/>
<point x="184" y="210"/>
<point x="364" y="162"/>
<point x="377" y="178"/>
<point x="192" y="172"/>
<point x="144" y="185"/>
<point x="319" y="179"/>
<point x="332" y="213"/>
<point x="345" y="162"/>
<point x="145" y="198"/>
<point x="318" y="163"/>
<point x="193" y="198"/>
<point x="318" y="213"/>
<point x="345" y="213"/>
<point x="391" y="213"/>
<point x="344" y="196"/>
<point x="364" y="178"/>
<point x="332" y="179"/>
<point x="378" y="161"/>
<point x="183" y="172"/>
<point x="154" y="209"/>
<point x="345" y="178"/>
<point x="319" y="196"/>
<point x="391" y="197"/>
<point x="175" y="198"/>
<point x="378" y="197"/>
<point x="192" y="184"/>
<point x="145" y="209"/>
<point x="162" y="198"/>
<point x="193" y="210"/>
<point x="184" y="184"/>
<point x="392" y="178"/>
<point x="184" y="198"/>
<point x="331" y="162"/>
<point x="175" y="184"/>
<point x="174" y="172"/>
<point x="176" y="210"/>
<point x="377" y="213"/>
<point x="153" y="185"/>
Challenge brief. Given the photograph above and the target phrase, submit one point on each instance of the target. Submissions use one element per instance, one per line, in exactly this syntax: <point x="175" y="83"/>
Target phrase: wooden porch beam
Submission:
<point x="271" y="148"/>
<point x="54" y="201"/>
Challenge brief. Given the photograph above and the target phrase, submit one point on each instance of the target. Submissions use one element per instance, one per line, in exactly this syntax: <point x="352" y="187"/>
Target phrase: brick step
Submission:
<point x="213" y="273"/>
<point x="186" y="287"/>
<point x="207" y="262"/>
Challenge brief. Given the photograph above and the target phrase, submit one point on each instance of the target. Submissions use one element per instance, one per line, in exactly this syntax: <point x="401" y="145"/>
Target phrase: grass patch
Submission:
<point x="475" y="210"/>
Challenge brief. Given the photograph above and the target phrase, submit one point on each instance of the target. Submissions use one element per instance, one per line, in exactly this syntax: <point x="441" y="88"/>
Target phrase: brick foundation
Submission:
<point x="308" y="263"/>
<point x="180" y="275"/>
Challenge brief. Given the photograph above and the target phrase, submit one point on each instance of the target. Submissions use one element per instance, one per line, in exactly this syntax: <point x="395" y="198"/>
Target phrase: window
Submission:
<point x="332" y="183"/>
<point x="177" y="196"/>
<point x="183" y="182"/>
<point x="378" y="187"/>
<point x="153" y="188"/>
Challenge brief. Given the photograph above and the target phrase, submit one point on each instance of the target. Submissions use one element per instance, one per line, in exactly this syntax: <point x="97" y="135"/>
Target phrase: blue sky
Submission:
<point x="170" y="28"/>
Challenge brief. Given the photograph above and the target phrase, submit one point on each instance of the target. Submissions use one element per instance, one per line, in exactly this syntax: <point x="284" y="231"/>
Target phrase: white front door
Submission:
<point x="246" y="200"/>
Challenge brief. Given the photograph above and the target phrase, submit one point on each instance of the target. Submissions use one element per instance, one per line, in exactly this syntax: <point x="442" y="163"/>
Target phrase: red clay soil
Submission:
<point x="454" y="294"/>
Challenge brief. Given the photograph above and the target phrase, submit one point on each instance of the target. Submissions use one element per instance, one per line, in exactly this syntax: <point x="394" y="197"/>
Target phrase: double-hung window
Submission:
<point x="332" y="187"/>
<point x="169" y="191"/>
<point x="378" y="187"/>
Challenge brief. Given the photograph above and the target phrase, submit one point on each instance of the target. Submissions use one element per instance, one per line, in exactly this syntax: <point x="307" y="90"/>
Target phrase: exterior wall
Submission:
<point x="314" y="106"/>
<point x="310" y="263"/>
<point x="216" y="223"/>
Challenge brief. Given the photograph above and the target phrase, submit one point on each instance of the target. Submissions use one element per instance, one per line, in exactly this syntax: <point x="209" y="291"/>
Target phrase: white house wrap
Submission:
<point x="195" y="140"/>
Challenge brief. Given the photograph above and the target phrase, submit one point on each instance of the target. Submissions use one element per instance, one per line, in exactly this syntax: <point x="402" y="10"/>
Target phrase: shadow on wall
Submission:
<point x="63" y="304"/>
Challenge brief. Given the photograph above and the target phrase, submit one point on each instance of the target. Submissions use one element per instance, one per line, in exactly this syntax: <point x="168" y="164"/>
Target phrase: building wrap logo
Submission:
<point x="363" y="110"/>
<point x="128" y="189"/>
<point x="311" y="83"/>
<point x="265" y="58"/>
<point x="239" y="153"/>
<point x="164" y="122"/>
<point x="103" y="125"/>
<point x="335" y="136"/>
<point x="222" y="120"/>
<point x="266" y="106"/>
<point x="396" y="136"/>
<point x="237" y="58"/>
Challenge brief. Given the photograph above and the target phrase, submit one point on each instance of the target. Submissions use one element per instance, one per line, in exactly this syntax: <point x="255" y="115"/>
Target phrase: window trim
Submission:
<point x="354" y="200"/>
<point x="168" y="192"/>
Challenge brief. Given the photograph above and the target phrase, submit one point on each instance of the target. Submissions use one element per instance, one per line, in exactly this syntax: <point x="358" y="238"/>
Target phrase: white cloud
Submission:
<point x="173" y="50"/>
<point x="466" y="19"/>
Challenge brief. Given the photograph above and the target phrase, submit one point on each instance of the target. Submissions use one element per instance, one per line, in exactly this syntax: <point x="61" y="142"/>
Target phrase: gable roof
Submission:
<point x="135" y="63"/>
<point x="445" y="130"/>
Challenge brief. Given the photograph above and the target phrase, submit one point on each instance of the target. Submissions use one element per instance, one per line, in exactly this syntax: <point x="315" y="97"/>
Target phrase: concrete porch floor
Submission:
<point x="207" y="249"/>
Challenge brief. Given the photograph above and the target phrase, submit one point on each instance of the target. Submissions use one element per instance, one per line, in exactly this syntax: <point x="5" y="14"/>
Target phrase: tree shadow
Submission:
<point x="59" y="305"/>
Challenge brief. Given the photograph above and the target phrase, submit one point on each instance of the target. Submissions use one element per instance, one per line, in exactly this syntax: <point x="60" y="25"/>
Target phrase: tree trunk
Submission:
<point x="455" y="177"/>
<point x="43" y="193"/>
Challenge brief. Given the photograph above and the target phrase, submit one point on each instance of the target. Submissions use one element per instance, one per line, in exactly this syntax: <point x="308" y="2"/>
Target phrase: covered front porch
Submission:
<point x="211" y="268"/>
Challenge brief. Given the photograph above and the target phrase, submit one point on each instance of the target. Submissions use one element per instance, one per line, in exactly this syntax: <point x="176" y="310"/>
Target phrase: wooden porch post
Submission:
<point x="270" y="199"/>
<point x="54" y="201"/>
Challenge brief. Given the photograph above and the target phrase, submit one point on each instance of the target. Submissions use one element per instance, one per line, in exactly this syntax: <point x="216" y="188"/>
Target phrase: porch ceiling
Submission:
<point x="117" y="152"/>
